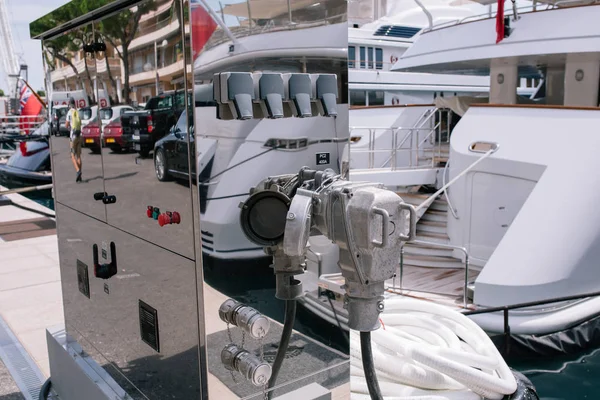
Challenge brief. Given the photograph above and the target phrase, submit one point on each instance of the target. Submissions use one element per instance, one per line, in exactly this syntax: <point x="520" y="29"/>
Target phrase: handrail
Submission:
<point x="471" y="18"/>
<point x="418" y="125"/>
<point x="450" y="206"/>
<point x="457" y="177"/>
<point x="416" y="142"/>
<point x="506" y="308"/>
<point x="220" y="22"/>
<point x="531" y="303"/>
<point x="395" y="148"/>
<point x="442" y="246"/>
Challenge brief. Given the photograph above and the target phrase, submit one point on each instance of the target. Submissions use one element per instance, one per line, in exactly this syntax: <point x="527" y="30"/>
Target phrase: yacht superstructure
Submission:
<point x="503" y="229"/>
<point x="375" y="44"/>
<point x="284" y="33"/>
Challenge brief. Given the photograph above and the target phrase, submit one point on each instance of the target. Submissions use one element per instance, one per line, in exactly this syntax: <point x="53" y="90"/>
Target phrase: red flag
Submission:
<point x="500" y="21"/>
<point x="202" y="27"/>
<point x="30" y="107"/>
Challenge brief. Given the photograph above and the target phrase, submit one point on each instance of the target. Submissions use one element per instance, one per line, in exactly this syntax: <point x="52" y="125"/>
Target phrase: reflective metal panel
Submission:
<point x="145" y="133"/>
<point x="258" y="113"/>
<point x="132" y="306"/>
<point x="71" y="74"/>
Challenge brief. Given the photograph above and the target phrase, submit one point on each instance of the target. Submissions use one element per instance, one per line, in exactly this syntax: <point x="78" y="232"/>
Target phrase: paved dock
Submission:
<point x="30" y="291"/>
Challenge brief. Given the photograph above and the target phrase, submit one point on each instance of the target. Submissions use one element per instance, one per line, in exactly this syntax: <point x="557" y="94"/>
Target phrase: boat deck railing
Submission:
<point x="287" y="22"/>
<point x="506" y="308"/>
<point x="515" y="11"/>
<point x="425" y="141"/>
<point x="401" y="288"/>
<point x="19" y="124"/>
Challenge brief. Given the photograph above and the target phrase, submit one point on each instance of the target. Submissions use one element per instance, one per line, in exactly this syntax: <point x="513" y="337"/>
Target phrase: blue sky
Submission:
<point x="20" y="14"/>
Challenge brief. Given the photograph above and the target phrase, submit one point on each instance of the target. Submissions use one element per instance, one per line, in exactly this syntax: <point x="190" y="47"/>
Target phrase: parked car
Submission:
<point x="148" y="126"/>
<point x="171" y="151"/>
<point x="110" y="114"/>
<point x="58" y="115"/>
<point x="91" y="137"/>
<point x="113" y="138"/>
<point x="88" y="114"/>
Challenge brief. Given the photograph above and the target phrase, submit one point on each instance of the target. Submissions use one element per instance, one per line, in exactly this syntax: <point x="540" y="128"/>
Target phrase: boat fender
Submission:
<point x="525" y="389"/>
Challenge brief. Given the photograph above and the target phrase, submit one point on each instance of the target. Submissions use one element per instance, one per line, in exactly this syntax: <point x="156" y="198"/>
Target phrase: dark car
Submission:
<point x="91" y="137"/>
<point x="146" y="127"/>
<point x="28" y="166"/>
<point x="58" y="116"/>
<point x="113" y="137"/>
<point x="171" y="152"/>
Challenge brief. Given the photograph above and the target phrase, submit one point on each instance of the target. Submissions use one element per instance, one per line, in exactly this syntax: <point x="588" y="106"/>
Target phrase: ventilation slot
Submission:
<point x="149" y="326"/>
<point x="405" y="32"/>
<point x="83" y="278"/>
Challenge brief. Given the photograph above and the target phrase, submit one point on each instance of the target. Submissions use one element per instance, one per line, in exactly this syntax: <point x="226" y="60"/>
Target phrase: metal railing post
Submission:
<point x="465" y="287"/>
<point x="506" y="333"/>
<point x="411" y="148"/>
<point x="401" y="267"/>
<point x="394" y="150"/>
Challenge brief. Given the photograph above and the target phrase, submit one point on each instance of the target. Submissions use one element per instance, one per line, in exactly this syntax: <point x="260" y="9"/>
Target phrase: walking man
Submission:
<point x="73" y="123"/>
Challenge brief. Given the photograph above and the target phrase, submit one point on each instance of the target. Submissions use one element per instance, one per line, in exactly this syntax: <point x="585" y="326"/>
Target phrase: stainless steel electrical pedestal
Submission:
<point x="75" y="374"/>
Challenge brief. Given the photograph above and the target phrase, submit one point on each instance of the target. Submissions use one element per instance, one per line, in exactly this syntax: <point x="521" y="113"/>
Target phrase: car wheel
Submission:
<point x="160" y="166"/>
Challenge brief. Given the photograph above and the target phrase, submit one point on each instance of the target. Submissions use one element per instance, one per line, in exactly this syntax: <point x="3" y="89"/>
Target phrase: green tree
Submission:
<point x="120" y="30"/>
<point x="1" y="93"/>
<point x="62" y="47"/>
<point x="41" y="93"/>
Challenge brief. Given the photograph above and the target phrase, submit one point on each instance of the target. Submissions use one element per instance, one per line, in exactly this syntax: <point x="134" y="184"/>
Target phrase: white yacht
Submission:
<point x="252" y="43"/>
<point x="517" y="224"/>
<point x="378" y="37"/>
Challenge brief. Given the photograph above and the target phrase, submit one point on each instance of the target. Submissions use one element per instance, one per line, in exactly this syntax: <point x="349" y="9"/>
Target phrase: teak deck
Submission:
<point x="440" y="285"/>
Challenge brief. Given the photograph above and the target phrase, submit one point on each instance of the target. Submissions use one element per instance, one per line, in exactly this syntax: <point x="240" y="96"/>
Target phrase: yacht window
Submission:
<point x="357" y="98"/>
<point x="351" y="56"/>
<point x="363" y="57"/>
<point x="378" y="58"/>
<point x="376" y="98"/>
<point x="370" y="58"/>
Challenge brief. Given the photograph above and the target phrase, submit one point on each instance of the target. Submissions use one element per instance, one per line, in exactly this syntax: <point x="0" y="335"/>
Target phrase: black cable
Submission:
<point x="369" y="366"/>
<point x="288" y="325"/>
<point x="337" y="320"/>
<point x="333" y="140"/>
<point x="33" y="210"/>
<point x="227" y="197"/>
<point x="238" y="164"/>
<point x="45" y="390"/>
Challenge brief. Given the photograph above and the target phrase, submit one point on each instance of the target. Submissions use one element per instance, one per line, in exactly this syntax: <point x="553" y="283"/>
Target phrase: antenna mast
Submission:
<point x="10" y="63"/>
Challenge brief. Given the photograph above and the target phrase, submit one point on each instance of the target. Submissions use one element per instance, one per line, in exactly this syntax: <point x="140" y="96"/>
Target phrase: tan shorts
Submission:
<point x="76" y="146"/>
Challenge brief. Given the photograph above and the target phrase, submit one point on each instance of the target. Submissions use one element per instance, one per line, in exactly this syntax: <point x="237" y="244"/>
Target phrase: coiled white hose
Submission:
<point x="426" y="351"/>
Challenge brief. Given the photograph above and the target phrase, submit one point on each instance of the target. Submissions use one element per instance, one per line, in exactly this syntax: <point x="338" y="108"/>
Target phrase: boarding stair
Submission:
<point x="432" y="228"/>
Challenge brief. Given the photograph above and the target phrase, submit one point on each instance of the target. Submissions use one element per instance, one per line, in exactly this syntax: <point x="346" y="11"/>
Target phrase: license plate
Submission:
<point x="89" y="140"/>
<point x="110" y="140"/>
<point x="135" y="137"/>
<point x="136" y="147"/>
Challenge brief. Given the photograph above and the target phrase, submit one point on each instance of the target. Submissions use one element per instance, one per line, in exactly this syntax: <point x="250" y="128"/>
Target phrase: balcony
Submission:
<point x="156" y="34"/>
<point x="161" y="9"/>
<point x="67" y="72"/>
<point x="115" y="66"/>
<point x="140" y="77"/>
